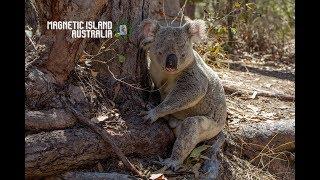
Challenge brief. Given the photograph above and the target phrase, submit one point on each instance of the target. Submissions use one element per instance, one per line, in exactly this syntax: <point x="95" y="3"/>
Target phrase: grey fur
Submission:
<point x="193" y="99"/>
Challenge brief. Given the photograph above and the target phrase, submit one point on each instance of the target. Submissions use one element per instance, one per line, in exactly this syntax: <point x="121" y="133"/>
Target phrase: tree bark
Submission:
<point x="107" y="139"/>
<point x="60" y="150"/>
<point x="190" y="9"/>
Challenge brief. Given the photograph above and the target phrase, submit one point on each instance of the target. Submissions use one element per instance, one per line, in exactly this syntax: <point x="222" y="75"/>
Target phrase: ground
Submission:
<point x="245" y="109"/>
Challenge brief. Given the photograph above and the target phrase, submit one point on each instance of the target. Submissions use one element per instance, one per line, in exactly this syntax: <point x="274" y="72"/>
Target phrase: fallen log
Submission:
<point x="240" y="66"/>
<point x="268" y="145"/>
<point x="275" y="135"/>
<point x="49" y="153"/>
<point x="48" y="119"/>
<point x="95" y="176"/>
<point x="233" y="89"/>
<point x="251" y="141"/>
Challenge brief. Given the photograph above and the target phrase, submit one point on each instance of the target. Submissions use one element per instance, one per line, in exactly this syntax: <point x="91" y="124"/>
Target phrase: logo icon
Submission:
<point x="123" y="30"/>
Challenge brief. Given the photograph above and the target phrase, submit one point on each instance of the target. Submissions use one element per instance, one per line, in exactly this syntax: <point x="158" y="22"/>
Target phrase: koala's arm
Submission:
<point x="188" y="91"/>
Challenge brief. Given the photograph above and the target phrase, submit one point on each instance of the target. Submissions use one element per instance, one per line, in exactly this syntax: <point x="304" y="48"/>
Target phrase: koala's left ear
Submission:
<point x="148" y="29"/>
<point x="196" y="29"/>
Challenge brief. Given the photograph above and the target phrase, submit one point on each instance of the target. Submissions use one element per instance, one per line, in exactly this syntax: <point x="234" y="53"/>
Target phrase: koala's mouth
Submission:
<point x="171" y="63"/>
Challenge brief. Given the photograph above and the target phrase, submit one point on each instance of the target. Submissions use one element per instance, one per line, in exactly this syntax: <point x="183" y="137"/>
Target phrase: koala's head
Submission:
<point x="171" y="47"/>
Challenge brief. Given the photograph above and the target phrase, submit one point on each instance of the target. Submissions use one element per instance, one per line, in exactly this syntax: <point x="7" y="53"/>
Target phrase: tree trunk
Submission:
<point x="63" y="49"/>
<point x="48" y="79"/>
<point x="190" y="9"/>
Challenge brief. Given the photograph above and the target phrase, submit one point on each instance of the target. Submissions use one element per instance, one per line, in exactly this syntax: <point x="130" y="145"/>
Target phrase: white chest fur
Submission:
<point x="162" y="81"/>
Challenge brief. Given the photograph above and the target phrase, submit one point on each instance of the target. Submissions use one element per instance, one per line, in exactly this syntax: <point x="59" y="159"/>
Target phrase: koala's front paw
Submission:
<point x="149" y="116"/>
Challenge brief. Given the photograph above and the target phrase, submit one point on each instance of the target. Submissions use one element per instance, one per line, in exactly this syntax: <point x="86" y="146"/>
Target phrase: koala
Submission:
<point x="192" y="96"/>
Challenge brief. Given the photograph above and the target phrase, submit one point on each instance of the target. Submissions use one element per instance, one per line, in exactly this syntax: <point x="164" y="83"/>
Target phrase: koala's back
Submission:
<point x="213" y="104"/>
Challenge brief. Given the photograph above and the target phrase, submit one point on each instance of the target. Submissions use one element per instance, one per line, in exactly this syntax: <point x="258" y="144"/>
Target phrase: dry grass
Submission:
<point x="243" y="170"/>
<point x="213" y="55"/>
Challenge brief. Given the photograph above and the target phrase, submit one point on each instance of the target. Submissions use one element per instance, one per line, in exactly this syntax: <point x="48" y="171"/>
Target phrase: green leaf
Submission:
<point x="196" y="152"/>
<point x="237" y="4"/>
<point x="251" y="5"/>
<point x="233" y="30"/>
<point x="222" y="30"/>
<point x="121" y="58"/>
<point x="117" y="35"/>
<point x="216" y="48"/>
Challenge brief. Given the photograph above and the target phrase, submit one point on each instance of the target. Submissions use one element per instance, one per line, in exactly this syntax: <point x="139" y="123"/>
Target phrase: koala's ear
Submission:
<point x="149" y="28"/>
<point x="196" y="30"/>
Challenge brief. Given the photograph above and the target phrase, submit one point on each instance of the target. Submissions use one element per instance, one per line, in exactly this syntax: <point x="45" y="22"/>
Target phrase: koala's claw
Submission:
<point x="149" y="106"/>
<point x="148" y="116"/>
<point x="173" y="165"/>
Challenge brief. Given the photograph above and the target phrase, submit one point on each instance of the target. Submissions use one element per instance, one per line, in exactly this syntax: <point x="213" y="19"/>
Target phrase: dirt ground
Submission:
<point x="246" y="109"/>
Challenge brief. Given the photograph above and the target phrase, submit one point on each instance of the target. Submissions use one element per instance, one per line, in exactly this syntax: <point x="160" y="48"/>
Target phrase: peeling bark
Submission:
<point x="48" y="119"/>
<point x="40" y="89"/>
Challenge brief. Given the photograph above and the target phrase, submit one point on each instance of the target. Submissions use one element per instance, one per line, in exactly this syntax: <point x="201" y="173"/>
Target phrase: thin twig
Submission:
<point x="182" y="10"/>
<point x="35" y="59"/>
<point x="120" y="80"/>
<point x="165" y="16"/>
<point x="219" y="19"/>
<point x="31" y="62"/>
<point x="263" y="148"/>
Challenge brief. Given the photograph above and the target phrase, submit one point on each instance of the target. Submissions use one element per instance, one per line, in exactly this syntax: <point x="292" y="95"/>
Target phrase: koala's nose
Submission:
<point x="171" y="62"/>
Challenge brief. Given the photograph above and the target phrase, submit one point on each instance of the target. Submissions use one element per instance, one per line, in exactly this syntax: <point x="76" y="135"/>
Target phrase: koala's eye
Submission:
<point x="160" y="53"/>
<point x="183" y="55"/>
